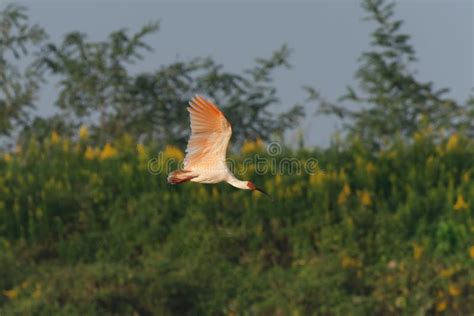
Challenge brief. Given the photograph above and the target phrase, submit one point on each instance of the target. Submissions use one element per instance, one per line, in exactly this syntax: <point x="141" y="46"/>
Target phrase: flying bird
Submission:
<point x="207" y="147"/>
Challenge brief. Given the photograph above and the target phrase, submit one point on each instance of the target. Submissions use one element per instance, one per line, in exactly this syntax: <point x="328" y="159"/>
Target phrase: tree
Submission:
<point x="18" y="86"/>
<point x="94" y="79"/>
<point x="466" y="123"/>
<point x="393" y="101"/>
<point x="96" y="88"/>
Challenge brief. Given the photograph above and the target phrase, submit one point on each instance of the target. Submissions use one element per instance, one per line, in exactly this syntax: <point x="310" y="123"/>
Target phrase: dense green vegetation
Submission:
<point x="91" y="231"/>
<point x="383" y="224"/>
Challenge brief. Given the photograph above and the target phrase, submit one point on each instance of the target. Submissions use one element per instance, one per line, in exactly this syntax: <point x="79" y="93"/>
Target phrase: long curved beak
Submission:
<point x="258" y="189"/>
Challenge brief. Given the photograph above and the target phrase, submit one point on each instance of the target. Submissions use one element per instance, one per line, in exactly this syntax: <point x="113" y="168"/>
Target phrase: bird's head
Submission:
<point x="253" y="187"/>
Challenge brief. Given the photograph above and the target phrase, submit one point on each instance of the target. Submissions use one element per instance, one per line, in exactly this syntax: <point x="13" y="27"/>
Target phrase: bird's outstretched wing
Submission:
<point x="210" y="135"/>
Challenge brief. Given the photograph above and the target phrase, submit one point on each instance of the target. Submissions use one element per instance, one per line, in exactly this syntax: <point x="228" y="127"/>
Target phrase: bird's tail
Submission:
<point x="180" y="176"/>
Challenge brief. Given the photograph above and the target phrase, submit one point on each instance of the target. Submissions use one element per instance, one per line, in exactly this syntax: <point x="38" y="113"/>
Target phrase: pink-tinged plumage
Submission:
<point x="207" y="147"/>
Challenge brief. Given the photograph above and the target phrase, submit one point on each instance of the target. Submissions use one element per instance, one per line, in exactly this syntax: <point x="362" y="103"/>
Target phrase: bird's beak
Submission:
<point x="258" y="189"/>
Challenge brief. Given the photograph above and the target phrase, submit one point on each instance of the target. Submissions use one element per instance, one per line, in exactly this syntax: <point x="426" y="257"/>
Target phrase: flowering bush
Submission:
<point x="90" y="230"/>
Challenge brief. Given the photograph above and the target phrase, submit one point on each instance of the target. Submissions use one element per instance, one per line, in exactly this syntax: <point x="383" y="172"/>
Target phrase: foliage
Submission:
<point x="18" y="86"/>
<point x="97" y="88"/>
<point x="89" y="226"/>
<point x="89" y="230"/>
<point x="392" y="101"/>
<point x="466" y="125"/>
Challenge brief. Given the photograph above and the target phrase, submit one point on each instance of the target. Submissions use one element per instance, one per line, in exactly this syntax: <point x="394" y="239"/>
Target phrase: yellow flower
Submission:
<point x="173" y="152"/>
<point x="37" y="293"/>
<point x="90" y="153"/>
<point x="344" y="194"/>
<point x="127" y="140"/>
<point x="7" y="157"/>
<point x="460" y="203"/>
<point x="108" y="152"/>
<point x="418" y="136"/>
<point x="447" y="273"/>
<point x="83" y="132"/>
<point x="317" y="178"/>
<point x="417" y="251"/>
<point x="141" y="150"/>
<point x="370" y="167"/>
<point x="55" y="138"/>
<point x="277" y="180"/>
<point x="364" y="198"/>
<point x="454" y="290"/>
<point x="453" y="142"/>
<point x="466" y="176"/>
<point x="342" y="175"/>
<point x="471" y="252"/>
<point x="11" y="294"/>
<point x="252" y="146"/>
<point x="349" y="262"/>
<point x="441" y="306"/>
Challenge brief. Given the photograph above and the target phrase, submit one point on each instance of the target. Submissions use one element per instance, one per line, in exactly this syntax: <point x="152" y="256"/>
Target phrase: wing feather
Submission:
<point x="210" y="135"/>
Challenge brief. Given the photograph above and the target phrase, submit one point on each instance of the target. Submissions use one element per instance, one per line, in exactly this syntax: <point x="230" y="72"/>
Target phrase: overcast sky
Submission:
<point x="326" y="38"/>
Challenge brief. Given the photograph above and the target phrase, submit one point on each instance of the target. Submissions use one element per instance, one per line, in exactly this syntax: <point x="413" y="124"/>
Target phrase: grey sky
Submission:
<point x="326" y="38"/>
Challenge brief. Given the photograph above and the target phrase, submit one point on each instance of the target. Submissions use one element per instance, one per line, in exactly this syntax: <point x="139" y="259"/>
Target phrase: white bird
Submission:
<point x="207" y="147"/>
